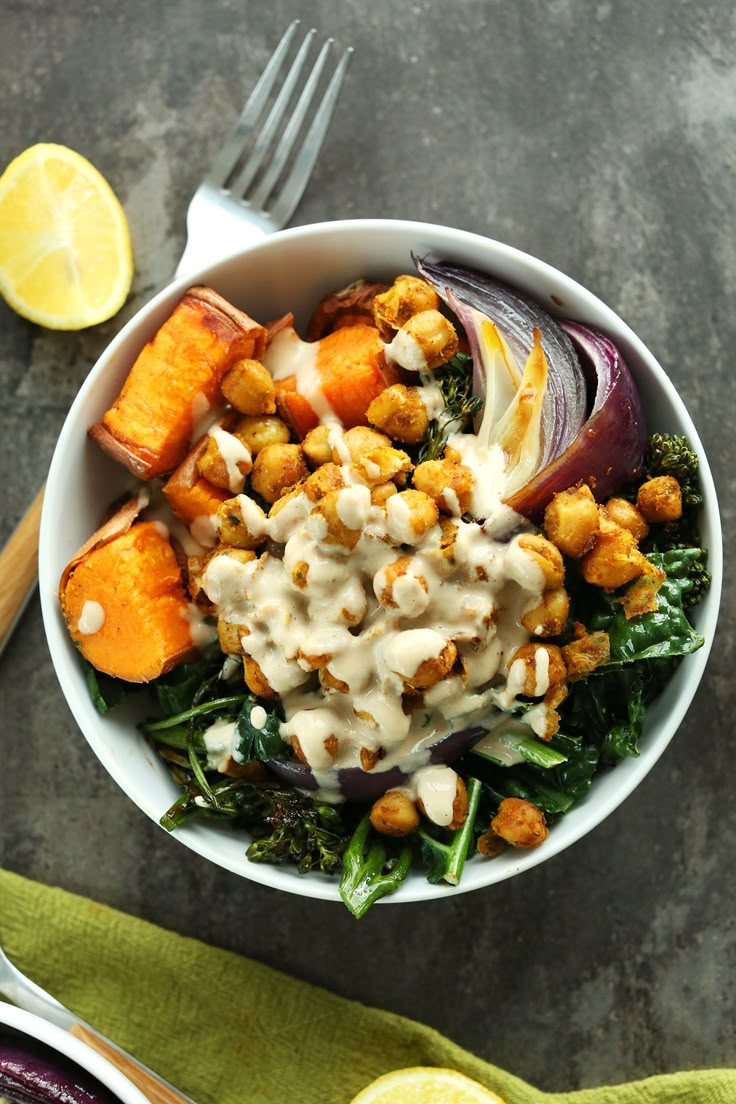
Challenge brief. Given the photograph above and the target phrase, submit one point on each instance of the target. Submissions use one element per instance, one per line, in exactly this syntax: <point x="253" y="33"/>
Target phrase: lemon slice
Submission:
<point x="65" y="257"/>
<point x="425" y="1085"/>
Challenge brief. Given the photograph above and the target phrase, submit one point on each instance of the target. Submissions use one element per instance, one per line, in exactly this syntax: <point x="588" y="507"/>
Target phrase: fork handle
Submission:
<point x="19" y="568"/>
<point x="157" y="1091"/>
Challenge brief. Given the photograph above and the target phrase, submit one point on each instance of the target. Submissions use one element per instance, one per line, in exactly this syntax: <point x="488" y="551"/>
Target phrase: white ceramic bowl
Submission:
<point x="66" y="1045"/>
<point x="291" y="271"/>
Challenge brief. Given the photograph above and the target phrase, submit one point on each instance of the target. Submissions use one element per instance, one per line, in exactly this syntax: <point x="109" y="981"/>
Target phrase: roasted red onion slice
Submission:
<point x="358" y="785"/>
<point x="609" y="449"/>
<point x="31" y="1074"/>
<point x="517" y="316"/>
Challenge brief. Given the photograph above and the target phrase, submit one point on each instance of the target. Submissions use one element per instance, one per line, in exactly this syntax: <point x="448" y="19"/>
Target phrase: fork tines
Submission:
<point x="267" y="160"/>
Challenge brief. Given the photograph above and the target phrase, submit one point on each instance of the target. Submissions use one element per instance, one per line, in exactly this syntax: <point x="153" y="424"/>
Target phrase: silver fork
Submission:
<point x="260" y="173"/>
<point x="32" y="998"/>
<point x="235" y="204"/>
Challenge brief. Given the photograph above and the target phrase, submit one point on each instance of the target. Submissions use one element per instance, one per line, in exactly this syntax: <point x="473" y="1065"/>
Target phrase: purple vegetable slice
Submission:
<point x="355" y="784"/>
<point x="35" y="1075"/>
<point x="472" y="295"/>
<point x="609" y="449"/>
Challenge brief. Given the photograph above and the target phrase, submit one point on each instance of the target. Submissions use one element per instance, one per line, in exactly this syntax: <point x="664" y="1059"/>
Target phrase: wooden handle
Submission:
<point x="157" y="1091"/>
<point x="19" y="568"/>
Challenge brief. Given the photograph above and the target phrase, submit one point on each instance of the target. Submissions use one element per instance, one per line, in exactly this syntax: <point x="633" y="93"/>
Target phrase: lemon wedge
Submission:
<point x="65" y="256"/>
<point x="425" y="1085"/>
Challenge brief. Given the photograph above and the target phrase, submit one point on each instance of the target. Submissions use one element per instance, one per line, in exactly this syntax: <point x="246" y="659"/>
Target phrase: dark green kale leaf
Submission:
<point x="664" y="633"/>
<point x="258" y="743"/>
<point x="105" y="691"/>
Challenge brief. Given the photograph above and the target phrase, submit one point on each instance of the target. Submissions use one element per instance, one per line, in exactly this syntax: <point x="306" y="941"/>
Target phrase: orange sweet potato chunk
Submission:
<point x="352" y="370"/>
<point x="175" y="380"/>
<point x="125" y="606"/>
<point x="190" y="495"/>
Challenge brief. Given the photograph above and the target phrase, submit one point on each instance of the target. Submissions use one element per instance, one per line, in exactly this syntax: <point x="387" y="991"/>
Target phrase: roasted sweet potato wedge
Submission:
<point x="193" y="498"/>
<point x="124" y="602"/>
<point x="175" y="381"/>
<point x="351" y="369"/>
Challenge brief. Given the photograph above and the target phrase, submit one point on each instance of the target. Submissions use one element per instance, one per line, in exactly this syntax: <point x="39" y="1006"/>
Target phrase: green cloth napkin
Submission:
<point x="227" y="1030"/>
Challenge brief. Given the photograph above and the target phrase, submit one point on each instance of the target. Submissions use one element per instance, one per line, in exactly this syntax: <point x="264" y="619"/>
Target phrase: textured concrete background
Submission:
<point x="599" y="136"/>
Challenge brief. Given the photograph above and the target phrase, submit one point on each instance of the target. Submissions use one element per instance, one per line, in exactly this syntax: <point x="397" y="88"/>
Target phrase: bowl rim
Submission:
<point x="204" y="840"/>
<point x="69" y="1047"/>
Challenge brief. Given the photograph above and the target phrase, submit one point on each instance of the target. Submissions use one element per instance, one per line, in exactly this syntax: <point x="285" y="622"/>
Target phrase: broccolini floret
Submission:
<point x="671" y="454"/>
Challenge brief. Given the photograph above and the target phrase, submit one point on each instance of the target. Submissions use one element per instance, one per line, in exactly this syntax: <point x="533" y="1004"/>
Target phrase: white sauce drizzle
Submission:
<point x="234" y="454"/>
<point x="91" y="619"/>
<point x="287" y="355"/>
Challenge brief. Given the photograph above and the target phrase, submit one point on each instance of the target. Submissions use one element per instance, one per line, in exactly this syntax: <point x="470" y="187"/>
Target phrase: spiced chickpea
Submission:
<point x="398" y="587"/>
<point x="571" y="521"/>
<point x="229" y="470"/>
<point x="249" y="387"/>
<point x="394" y="814"/>
<point x="549" y="616"/>
<point x="431" y="671"/>
<point x="448" y="482"/>
<point x="408" y="295"/>
<point x="410" y="515"/>
<point x="425" y="342"/>
<point x="536" y="667"/>
<point x="520" y="823"/>
<point x="257" y="431"/>
<point x="614" y="559"/>
<point x="358" y="441"/>
<point x="276" y="468"/>
<point x="328" y="477"/>
<point x="337" y="532"/>
<point x="256" y="681"/>
<point x="241" y="522"/>
<point x="317" y="447"/>
<point x="401" y="413"/>
<point x="381" y="493"/>
<point x="229" y="634"/>
<point x="660" y="499"/>
<point x="625" y="514"/>
<point x="381" y="464"/>
<point x="547" y="558"/>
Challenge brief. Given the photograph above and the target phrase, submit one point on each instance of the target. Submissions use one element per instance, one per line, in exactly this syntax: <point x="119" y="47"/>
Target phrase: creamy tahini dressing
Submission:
<point x="91" y="619"/>
<point x="287" y="355"/>
<point x="370" y="625"/>
<point x="235" y="456"/>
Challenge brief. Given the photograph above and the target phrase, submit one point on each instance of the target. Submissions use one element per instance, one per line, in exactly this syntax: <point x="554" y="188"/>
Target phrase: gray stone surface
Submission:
<point x="600" y="136"/>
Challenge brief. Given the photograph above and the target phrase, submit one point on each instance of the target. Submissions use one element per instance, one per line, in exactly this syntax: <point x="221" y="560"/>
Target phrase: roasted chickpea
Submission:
<point x="300" y="574"/>
<point x="328" y="477"/>
<point x="317" y="447"/>
<point x="229" y="634"/>
<point x="195" y="584"/>
<point x="431" y="671"/>
<point x="226" y="471"/>
<point x="401" y="413"/>
<point x="330" y="682"/>
<point x="397" y="587"/>
<point x="459" y="806"/>
<point x="382" y="464"/>
<point x="241" y="522"/>
<point x="407" y="296"/>
<point x="337" y="532"/>
<point x="409" y="516"/>
<point x="533" y="668"/>
<point x="546" y="557"/>
<point x="424" y="342"/>
<point x="520" y="823"/>
<point x="256" y="681"/>
<point x="448" y="482"/>
<point x="626" y="515"/>
<point x="660" y="499"/>
<point x="278" y="467"/>
<point x="571" y="521"/>
<point x="248" y="387"/>
<point x="614" y="559"/>
<point x="443" y="555"/>
<point x="369" y="757"/>
<point x="549" y="616"/>
<point x="394" y="814"/>
<point x="585" y="653"/>
<point x="257" y="431"/>
<point x="381" y="493"/>
<point x="359" y="441"/>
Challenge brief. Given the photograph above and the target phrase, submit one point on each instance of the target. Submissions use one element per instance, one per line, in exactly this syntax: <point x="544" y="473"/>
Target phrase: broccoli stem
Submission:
<point x="367" y="875"/>
<point x="152" y="727"/>
<point x="446" y="860"/>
